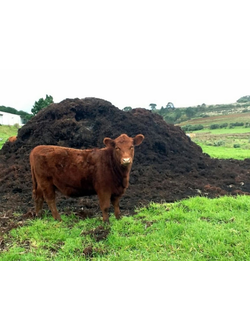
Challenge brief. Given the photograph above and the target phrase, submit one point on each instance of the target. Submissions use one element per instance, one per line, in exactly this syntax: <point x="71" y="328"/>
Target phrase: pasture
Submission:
<point x="193" y="229"/>
<point x="224" y="143"/>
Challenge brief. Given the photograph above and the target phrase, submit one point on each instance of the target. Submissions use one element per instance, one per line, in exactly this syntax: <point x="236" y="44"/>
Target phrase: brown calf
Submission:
<point x="76" y="173"/>
<point x="12" y="138"/>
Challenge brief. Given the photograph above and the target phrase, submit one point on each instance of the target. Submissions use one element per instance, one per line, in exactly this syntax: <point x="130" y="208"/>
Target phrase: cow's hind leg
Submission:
<point x="37" y="194"/>
<point x="50" y="197"/>
<point x="38" y="198"/>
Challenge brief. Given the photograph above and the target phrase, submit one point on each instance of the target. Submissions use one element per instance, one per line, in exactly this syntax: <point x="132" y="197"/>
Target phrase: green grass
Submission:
<point x="194" y="229"/>
<point x="224" y="143"/>
<point x="225" y="152"/>
<point x="6" y="132"/>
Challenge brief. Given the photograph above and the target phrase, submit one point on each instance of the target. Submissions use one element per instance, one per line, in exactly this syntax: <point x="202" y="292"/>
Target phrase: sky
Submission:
<point x="21" y="88"/>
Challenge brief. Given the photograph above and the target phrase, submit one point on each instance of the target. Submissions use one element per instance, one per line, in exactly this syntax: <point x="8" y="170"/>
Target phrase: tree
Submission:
<point x="127" y="109"/>
<point x="42" y="103"/>
<point x="170" y="105"/>
<point x="25" y="116"/>
<point x="8" y="109"/>
<point x="152" y="106"/>
<point x="190" y="112"/>
<point x="162" y="111"/>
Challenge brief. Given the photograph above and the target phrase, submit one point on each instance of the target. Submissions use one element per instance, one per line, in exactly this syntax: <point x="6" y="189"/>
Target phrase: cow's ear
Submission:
<point x="109" y="142"/>
<point x="138" y="139"/>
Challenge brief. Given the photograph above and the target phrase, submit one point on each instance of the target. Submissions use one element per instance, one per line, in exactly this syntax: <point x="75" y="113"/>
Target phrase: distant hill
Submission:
<point x="244" y="99"/>
<point x="183" y="115"/>
<point x="227" y="120"/>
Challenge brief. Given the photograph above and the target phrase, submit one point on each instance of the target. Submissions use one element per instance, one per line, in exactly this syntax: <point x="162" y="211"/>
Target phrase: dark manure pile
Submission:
<point x="168" y="166"/>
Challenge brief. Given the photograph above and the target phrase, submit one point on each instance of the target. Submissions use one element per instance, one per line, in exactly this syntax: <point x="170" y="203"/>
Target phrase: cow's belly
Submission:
<point x="75" y="191"/>
<point x="79" y="193"/>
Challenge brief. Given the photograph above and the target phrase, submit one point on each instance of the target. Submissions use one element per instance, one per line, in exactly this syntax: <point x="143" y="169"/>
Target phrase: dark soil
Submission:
<point x="168" y="166"/>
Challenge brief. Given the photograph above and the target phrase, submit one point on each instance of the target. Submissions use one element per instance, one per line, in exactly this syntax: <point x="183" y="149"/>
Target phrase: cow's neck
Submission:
<point x="126" y="172"/>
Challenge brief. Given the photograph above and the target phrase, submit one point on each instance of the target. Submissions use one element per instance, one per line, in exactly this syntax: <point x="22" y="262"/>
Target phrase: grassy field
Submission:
<point x="223" y="152"/>
<point x="6" y="132"/>
<point x="194" y="229"/>
<point x="226" y="142"/>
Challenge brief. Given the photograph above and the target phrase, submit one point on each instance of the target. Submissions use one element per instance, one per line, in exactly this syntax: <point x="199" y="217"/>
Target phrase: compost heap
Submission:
<point x="168" y="166"/>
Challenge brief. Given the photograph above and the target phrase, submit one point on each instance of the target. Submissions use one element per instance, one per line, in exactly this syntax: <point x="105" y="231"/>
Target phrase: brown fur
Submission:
<point x="12" y="138"/>
<point x="75" y="173"/>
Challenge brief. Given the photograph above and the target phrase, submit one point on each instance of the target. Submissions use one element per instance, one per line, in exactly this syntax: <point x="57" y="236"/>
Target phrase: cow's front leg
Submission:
<point x="115" y="201"/>
<point x="104" y="201"/>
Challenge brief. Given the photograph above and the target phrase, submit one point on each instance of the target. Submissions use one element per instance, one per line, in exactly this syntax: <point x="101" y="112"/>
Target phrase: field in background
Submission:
<point x="230" y="144"/>
<point x="226" y="142"/>
<point x="224" y="152"/>
<point x="218" y="119"/>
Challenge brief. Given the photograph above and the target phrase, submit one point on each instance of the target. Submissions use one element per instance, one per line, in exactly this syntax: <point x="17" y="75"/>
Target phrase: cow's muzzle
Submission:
<point x="126" y="161"/>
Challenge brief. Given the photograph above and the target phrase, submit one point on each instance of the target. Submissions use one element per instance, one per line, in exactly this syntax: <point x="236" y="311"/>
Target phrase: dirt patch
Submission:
<point x="168" y="166"/>
<point x="99" y="233"/>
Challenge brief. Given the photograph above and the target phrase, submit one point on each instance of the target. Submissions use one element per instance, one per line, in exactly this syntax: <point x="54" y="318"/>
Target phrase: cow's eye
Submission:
<point x="117" y="148"/>
<point x="132" y="147"/>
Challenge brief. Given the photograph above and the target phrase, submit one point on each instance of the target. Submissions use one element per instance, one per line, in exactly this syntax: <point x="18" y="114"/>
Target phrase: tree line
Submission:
<point x="169" y="112"/>
<point x="25" y="116"/>
<point x="174" y="115"/>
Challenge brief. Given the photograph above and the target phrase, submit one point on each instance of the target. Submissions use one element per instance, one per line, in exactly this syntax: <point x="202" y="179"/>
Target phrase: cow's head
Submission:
<point x="124" y="147"/>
